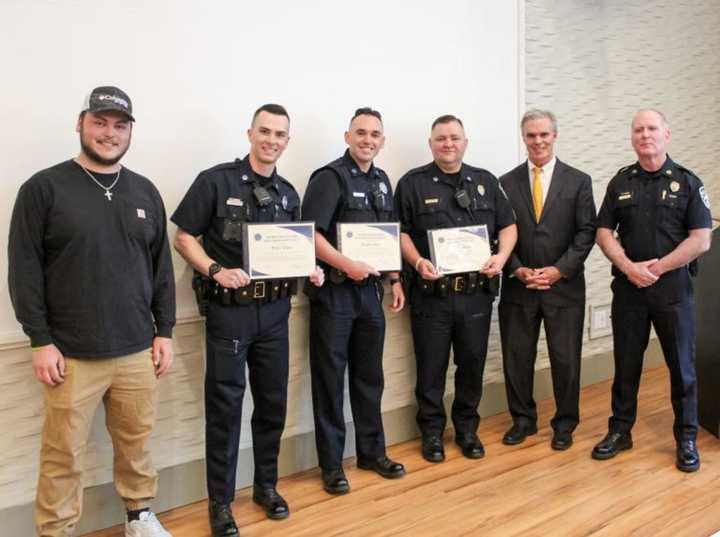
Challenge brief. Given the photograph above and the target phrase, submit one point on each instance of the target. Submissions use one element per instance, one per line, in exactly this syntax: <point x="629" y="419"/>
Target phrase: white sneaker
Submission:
<point x="147" y="526"/>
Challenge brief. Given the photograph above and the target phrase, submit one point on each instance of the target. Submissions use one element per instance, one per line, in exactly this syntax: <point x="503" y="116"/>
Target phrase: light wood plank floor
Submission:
<point x="527" y="490"/>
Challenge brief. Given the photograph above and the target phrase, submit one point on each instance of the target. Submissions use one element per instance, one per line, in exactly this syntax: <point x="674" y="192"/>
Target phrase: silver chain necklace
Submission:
<point x="107" y="189"/>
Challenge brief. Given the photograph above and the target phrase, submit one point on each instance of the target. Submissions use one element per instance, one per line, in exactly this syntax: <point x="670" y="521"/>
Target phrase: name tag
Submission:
<point x="359" y="194"/>
<point x="235" y="202"/>
<point x="625" y="196"/>
<point x="430" y="201"/>
<point x="141" y="213"/>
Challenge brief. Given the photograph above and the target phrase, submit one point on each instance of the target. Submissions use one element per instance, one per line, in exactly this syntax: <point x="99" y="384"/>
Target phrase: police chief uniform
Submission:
<point x="453" y="310"/>
<point x="653" y="213"/>
<point x="347" y="324"/>
<point x="244" y="325"/>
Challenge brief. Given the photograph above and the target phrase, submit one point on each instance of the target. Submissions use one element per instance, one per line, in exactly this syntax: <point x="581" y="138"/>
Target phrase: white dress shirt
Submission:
<point x="545" y="175"/>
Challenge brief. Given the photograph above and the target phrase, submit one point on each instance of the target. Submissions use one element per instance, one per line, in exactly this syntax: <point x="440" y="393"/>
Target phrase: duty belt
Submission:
<point x="261" y="291"/>
<point x="338" y="277"/>
<point x="467" y="283"/>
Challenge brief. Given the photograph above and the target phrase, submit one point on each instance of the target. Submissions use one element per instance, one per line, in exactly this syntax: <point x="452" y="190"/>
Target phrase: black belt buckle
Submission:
<point x="259" y="290"/>
<point x="458" y="284"/>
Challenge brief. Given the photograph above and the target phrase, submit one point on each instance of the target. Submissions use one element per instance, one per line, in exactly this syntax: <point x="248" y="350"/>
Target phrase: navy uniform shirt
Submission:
<point x="654" y="211"/>
<point x="367" y="197"/>
<point x="425" y="199"/>
<point x="222" y="198"/>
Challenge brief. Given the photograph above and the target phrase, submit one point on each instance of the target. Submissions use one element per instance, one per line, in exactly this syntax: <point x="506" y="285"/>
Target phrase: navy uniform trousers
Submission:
<point x="347" y="329"/>
<point x="460" y="321"/>
<point x="256" y="335"/>
<point x="673" y="317"/>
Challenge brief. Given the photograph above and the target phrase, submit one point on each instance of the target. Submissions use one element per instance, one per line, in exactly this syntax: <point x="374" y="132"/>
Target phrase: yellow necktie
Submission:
<point x="537" y="193"/>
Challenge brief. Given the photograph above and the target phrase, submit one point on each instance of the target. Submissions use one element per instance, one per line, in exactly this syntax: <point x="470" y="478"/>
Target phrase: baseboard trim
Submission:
<point x="185" y="483"/>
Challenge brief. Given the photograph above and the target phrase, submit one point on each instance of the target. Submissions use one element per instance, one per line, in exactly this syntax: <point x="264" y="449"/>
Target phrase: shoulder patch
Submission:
<point x="704" y="197"/>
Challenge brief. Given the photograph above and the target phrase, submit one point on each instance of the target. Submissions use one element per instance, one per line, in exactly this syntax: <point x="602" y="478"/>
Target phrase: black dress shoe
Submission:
<point x="471" y="446"/>
<point x="688" y="458"/>
<point x="611" y="445"/>
<point x="432" y="449"/>
<point x="561" y="440"/>
<point x="387" y="468"/>
<point x="222" y="523"/>
<point x="517" y="433"/>
<point x="335" y="482"/>
<point x="275" y="506"/>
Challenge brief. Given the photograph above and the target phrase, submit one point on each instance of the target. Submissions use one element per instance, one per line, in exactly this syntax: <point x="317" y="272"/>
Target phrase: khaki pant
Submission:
<point x="127" y="387"/>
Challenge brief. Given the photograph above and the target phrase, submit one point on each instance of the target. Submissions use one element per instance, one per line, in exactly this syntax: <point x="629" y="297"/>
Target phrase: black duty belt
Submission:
<point x="338" y="277"/>
<point x="467" y="283"/>
<point x="261" y="291"/>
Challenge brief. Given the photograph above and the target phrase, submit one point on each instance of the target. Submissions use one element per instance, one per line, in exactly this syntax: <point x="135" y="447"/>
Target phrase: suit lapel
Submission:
<point x="523" y="180"/>
<point x="556" y="184"/>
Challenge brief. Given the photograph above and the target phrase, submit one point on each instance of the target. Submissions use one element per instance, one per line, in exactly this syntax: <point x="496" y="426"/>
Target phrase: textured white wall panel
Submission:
<point x="594" y="63"/>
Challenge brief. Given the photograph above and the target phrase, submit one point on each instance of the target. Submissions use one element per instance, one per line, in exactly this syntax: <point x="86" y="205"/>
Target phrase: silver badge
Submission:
<point x="435" y="179"/>
<point x="704" y="197"/>
<point x="244" y="177"/>
<point x="481" y="190"/>
<point x="674" y="186"/>
<point x="284" y="202"/>
<point x="383" y="188"/>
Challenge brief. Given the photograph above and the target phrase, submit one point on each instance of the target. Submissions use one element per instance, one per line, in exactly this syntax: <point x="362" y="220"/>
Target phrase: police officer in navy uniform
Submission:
<point x="347" y="323"/>
<point x="454" y="310"/>
<point x="661" y="214"/>
<point x="247" y="321"/>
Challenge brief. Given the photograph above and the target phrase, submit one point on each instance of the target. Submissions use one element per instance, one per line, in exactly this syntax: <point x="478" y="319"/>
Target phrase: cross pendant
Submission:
<point x="108" y="195"/>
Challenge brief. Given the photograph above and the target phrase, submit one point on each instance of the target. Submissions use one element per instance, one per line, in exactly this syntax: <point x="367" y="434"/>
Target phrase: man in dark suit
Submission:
<point x="543" y="279"/>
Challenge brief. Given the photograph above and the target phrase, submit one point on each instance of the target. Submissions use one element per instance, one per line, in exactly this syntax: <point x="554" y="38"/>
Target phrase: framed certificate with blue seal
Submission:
<point x="459" y="249"/>
<point x="375" y="243"/>
<point x="279" y="250"/>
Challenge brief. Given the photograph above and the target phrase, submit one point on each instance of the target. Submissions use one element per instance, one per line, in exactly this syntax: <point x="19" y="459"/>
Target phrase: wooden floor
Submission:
<point x="527" y="490"/>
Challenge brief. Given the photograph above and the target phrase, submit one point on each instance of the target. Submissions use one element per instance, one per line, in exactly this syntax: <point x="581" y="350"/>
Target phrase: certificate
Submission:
<point x="375" y="243"/>
<point x="279" y="250"/>
<point x="459" y="249"/>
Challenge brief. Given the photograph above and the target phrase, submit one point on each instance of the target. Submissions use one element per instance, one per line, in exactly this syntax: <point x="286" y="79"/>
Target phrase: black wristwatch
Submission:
<point x="214" y="269"/>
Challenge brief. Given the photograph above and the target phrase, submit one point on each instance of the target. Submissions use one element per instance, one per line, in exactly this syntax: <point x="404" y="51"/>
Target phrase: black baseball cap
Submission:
<point x="106" y="98"/>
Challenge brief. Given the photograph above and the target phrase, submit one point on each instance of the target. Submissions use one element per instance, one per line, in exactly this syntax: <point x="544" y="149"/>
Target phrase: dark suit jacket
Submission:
<point x="563" y="237"/>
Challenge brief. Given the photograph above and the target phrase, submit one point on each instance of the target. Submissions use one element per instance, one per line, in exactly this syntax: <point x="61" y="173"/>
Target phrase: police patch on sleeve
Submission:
<point x="383" y="188"/>
<point x="704" y="197"/>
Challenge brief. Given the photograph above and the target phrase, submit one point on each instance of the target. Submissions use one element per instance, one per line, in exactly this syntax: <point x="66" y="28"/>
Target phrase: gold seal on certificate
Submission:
<point x="375" y="243"/>
<point x="279" y="250"/>
<point x="459" y="249"/>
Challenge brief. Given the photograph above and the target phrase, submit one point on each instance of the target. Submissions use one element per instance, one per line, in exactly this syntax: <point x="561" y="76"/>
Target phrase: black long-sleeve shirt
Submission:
<point x="91" y="275"/>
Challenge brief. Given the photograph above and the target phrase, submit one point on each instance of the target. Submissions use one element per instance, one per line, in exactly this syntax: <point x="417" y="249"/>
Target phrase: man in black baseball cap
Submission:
<point x="91" y="281"/>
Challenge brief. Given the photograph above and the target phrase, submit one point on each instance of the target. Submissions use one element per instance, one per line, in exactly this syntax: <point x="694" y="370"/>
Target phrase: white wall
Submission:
<point x="197" y="70"/>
